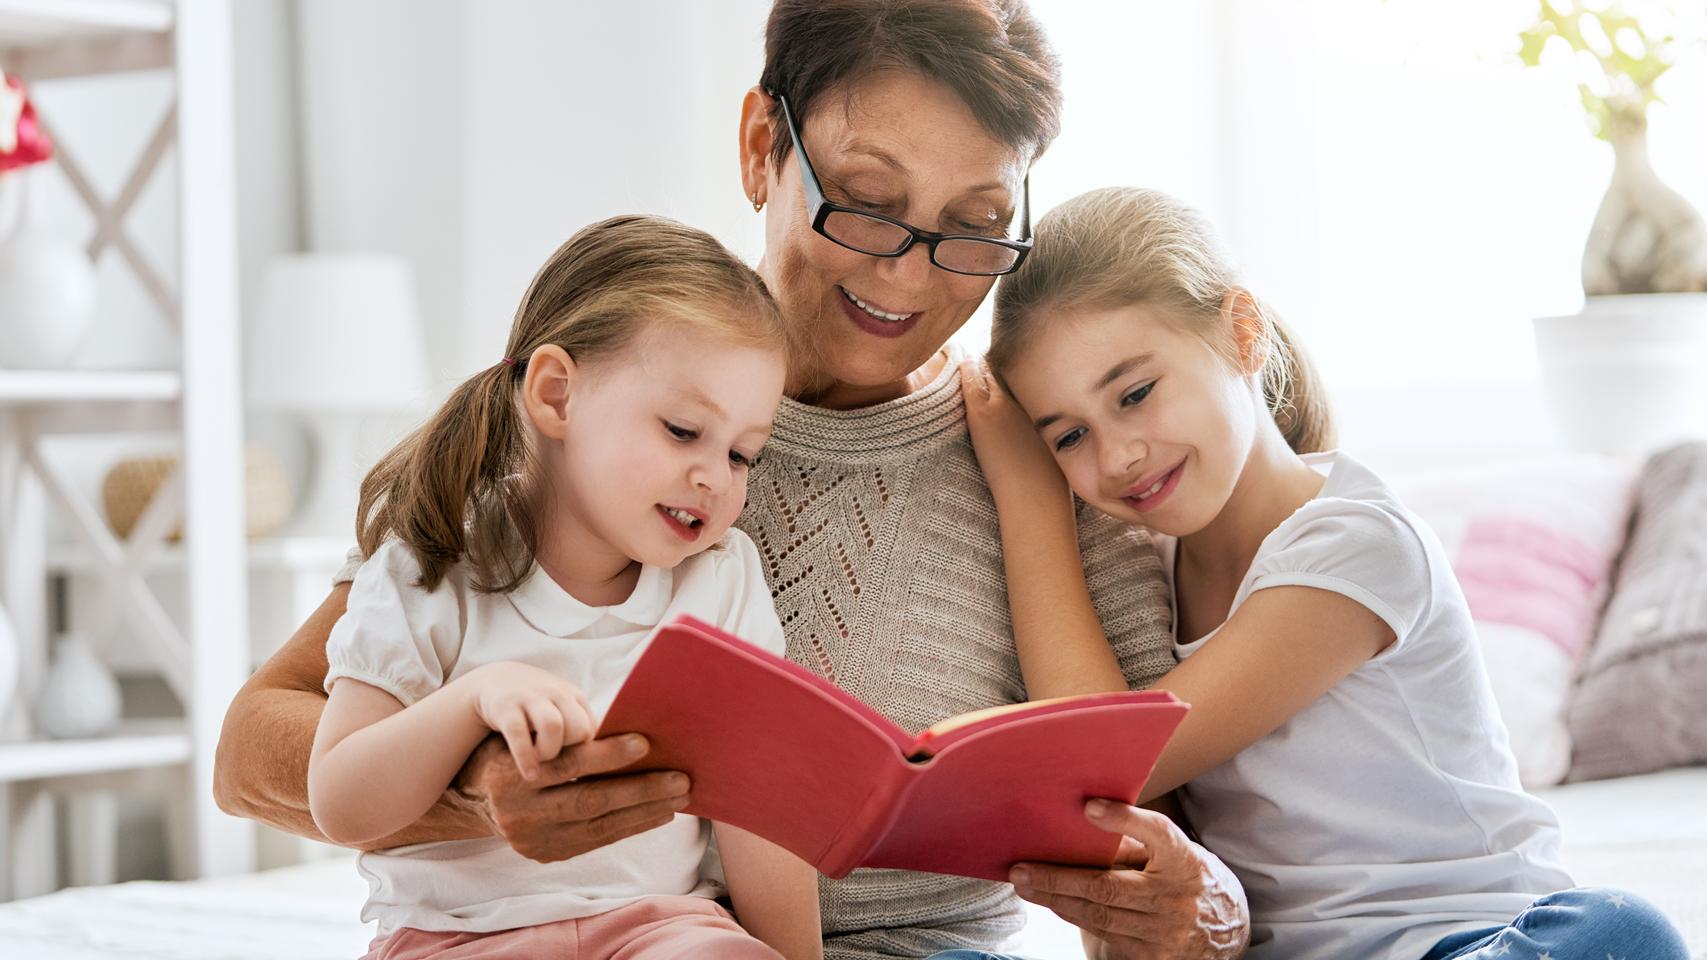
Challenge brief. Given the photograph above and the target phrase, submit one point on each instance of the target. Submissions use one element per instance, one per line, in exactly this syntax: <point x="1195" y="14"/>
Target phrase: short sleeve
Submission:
<point x="746" y="607"/>
<point x="1130" y="595"/>
<point x="1360" y="550"/>
<point x="352" y="563"/>
<point x="394" y="634"/>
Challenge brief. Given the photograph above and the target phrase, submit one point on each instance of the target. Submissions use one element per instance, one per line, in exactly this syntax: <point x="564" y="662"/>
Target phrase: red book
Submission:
<point x="784" y="754"/>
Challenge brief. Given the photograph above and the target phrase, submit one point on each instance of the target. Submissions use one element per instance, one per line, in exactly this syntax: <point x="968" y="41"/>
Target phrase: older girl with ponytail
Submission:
<point x="1343" y="754"/>
<point x="522" y="546"/>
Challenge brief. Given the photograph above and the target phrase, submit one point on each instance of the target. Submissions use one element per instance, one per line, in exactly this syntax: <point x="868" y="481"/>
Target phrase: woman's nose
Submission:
<point x="908" y="273"/>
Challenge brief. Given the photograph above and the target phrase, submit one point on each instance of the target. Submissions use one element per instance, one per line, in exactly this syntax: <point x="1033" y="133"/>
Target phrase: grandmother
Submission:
<point x="888" y="145"/>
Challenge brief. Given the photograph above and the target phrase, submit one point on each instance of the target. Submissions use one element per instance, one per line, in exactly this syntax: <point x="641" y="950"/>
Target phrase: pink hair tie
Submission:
<point x="509" y="361"/>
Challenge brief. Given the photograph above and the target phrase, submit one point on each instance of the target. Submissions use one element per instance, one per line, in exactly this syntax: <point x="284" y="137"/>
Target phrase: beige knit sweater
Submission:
<point x="879" y="539"/>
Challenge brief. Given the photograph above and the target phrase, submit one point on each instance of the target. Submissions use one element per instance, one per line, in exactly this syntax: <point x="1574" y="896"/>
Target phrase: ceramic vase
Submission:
<point x="79" y="697"/>
<point x="1646" y="237"/>
<point x="47" y="288"/>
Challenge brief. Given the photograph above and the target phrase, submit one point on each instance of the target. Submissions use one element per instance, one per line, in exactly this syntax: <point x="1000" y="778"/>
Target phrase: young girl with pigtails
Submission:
<point x="1343" y="754"/>
<point x="522" y="546"/>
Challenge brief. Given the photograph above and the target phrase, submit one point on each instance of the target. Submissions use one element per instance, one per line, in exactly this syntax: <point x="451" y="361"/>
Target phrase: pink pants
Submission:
<point x="656" y="928"/>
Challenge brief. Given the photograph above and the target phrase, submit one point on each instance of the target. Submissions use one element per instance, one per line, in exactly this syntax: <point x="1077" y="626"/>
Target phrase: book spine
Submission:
<point x="875" y="814"/>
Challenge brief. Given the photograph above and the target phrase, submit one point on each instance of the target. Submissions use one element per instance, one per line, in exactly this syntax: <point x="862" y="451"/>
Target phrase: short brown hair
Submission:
<point x="466" y="484"/>
<point x="992" y="53"/>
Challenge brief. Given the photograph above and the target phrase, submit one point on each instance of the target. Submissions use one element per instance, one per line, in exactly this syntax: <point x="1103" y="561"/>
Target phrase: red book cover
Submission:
<point x="784" y="754"/>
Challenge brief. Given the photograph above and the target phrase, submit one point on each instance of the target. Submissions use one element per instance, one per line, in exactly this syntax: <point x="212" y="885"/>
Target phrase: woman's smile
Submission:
<point x="874" y="319"/>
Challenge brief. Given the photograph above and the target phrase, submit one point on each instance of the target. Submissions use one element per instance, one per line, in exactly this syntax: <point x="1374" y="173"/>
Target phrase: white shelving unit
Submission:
<point x="203" y="655"/>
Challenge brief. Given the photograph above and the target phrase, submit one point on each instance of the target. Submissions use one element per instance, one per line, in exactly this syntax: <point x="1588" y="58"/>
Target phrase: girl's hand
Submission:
<point x="1013" y="457"/>
<point x="536" y="711"/>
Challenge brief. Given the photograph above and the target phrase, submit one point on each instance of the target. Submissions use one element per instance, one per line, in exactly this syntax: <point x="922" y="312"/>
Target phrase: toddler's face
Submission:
<point x="1149" y="423"/>
<point x="659" y="442"/>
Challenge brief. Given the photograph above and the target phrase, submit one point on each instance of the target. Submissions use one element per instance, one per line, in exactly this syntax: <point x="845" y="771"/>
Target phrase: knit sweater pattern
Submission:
<point x="880" y="544"/>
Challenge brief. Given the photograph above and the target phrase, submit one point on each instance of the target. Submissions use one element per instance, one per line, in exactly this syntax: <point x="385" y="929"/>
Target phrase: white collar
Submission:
<point x="553" y="610"/>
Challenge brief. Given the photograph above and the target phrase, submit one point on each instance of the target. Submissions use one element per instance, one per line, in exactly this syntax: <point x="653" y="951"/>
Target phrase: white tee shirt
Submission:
<point x="410" y="642"/>
<point x="1387" y="814"/>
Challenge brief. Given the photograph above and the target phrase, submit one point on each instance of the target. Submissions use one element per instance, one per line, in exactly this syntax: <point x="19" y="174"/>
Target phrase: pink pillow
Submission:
<point x="1533" y="545"/>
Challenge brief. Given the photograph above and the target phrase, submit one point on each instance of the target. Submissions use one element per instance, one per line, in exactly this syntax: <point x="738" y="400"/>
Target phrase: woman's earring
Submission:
<point x="757" y="204"/>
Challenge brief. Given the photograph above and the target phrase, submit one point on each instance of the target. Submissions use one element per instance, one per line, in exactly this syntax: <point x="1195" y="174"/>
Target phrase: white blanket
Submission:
<point x="1646" y="834"/>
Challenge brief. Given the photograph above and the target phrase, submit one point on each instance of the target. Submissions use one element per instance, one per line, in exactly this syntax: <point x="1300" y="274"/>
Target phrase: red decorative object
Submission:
<point x="31" y="143"/>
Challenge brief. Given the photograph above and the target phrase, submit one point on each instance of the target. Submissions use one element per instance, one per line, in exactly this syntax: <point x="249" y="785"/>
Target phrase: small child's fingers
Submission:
<point x="972" y="379"/>
<point x="578" y="723"/>
<point x="514" y="730"/>
<point x="547" y="721"/>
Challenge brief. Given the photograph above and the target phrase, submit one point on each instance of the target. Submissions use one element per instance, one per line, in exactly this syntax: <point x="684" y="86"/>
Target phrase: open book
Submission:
<point x="782" y="753"/>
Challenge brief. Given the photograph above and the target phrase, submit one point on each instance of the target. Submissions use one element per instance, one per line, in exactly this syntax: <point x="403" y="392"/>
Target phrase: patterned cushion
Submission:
<point x="1532" y="543"/>
<point x="1638" y="704"/>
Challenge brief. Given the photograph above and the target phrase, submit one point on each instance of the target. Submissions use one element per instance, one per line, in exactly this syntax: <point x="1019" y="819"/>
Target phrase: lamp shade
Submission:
<point x="337" y="332"/>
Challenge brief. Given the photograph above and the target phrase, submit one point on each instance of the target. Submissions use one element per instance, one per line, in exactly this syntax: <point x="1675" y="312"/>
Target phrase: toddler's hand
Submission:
<point x="1014" y="459"/>
<point x="536" y="711"/>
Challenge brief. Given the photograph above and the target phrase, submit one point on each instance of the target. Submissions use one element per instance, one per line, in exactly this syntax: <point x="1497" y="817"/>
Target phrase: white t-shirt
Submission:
<point x="409" y="642"/>
<point x="1387" y="814"/>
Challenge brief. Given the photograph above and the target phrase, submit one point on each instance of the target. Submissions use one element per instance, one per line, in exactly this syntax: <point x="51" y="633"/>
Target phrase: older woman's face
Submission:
<point x="906" y="146"/>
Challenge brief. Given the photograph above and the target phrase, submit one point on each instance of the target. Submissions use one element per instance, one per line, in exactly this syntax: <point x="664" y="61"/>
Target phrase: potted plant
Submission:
<point x="1625" y="373"/>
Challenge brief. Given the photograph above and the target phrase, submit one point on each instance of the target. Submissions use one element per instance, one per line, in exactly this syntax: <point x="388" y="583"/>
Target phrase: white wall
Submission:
<point x="1394" y="183"/>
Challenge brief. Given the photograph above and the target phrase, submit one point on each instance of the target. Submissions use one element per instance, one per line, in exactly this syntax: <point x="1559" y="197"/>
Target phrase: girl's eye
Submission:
<point x="740" y="459"/>
<point x="1069" y="439"/>
<point x="1137" y="396"/>
<point x="681" y="433"/>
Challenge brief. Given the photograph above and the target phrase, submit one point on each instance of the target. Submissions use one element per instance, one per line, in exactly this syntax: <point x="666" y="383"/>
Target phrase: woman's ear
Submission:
<point x="550" y="376"/>
<point x="1243" y="315"/>
<point x="756" y="145"/>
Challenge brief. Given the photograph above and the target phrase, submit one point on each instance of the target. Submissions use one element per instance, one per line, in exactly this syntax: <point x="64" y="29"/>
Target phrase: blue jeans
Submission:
<point x="1588" y="923"/>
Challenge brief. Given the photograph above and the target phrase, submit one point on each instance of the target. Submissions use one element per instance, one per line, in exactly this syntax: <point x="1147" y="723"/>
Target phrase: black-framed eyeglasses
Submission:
<point x="881" y="236"/>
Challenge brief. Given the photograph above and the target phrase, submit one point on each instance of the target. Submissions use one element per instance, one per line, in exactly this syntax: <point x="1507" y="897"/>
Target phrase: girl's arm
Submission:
<point x="1283" y="648"/>
<point x="775" y="893"/>
<point x="1062" y="649"/>
<point x="377" y="766"/>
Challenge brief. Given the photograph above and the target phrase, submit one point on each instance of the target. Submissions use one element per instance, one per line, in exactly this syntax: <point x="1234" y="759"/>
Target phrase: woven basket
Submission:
<point x="132" y="483"/>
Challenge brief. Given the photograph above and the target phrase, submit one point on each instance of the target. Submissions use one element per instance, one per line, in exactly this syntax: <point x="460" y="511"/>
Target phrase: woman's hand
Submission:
<point x="536" y="711"/>
<point x="1014" y="460"/>
<point x="558" y="815"/>
<point x="1165" y="896"/>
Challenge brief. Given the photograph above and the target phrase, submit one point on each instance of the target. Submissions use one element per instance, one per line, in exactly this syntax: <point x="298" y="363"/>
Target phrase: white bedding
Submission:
<point x="1646" y="834"/>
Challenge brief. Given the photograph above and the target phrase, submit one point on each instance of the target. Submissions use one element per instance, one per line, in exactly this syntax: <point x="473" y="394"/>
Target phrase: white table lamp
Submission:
<point x="337" y="336"/>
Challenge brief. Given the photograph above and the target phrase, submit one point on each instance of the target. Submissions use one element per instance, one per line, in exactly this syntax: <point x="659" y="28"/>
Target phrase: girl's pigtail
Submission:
<point x="1295" y="393"/>
<point x="426" y="490"/>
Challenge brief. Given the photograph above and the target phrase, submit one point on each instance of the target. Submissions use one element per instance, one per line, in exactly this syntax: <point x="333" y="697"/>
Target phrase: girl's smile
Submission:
<point x="1126" y="400"/>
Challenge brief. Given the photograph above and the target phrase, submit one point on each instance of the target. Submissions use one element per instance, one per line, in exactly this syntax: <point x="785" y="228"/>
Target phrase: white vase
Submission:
<point x="47" y="292"/>
<point x="1628" y="374"/>
<point x="8" y="665"/>
<point x="1646" y="238"/>
<point x="79" y="697"/>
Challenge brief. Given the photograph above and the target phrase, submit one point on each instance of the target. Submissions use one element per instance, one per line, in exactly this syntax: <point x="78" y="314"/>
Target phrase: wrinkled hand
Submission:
<point x="556" y="815"/>
<point x="1165" y="897"/>
<point x="535" y="710"/>
<point x="1012" y="456"/>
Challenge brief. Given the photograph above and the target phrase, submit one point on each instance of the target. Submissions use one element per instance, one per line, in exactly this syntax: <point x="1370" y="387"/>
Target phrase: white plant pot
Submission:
<point x="1629" y="373"/>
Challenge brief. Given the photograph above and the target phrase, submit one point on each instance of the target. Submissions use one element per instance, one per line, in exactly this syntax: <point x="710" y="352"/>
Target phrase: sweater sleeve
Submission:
<point x="1125" y="579"/>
